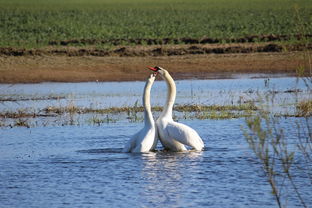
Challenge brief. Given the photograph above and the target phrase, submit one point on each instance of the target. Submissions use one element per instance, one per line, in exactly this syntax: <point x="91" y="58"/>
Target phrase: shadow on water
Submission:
<point x="158" y="151"/>
<point x="101" y="151"/>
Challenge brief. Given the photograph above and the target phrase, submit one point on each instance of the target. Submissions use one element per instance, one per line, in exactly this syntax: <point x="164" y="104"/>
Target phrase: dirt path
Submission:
<point x="44" y="67"/>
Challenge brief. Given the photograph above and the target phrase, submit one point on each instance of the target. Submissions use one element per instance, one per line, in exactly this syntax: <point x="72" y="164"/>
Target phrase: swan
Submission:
<point x="145" y="140"/>
<point x="173" y="135"/>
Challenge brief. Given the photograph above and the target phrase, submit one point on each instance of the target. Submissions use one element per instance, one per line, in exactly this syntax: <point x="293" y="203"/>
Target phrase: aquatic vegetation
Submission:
<point x="279" y="153"/>
<point x="74" y="115"/>
<point x="132" y="113"/>
<point x="5" y="98"/>
<point x="305" y="108"/>
<point x="197" y="103"/>
<point x="97" y="120"/>
<point x="21" y="113"/>
<point x="221" y="115"/>
<point x="21" y="122"/>
<point x="199" y="108"/>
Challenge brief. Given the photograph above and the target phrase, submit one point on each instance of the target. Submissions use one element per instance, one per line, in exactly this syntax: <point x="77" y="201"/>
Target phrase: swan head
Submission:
<point x="159" y="70"/>
<point x="151" y="77"/>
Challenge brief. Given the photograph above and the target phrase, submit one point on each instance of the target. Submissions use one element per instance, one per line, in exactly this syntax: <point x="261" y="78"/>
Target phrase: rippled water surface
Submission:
<point x="117" y="94"/>
<point x="82" y="166"/>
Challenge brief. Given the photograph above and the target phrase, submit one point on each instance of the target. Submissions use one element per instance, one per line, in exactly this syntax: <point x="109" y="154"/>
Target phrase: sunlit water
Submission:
<point x="119" y="94"/>
<point x="82" y="166"/>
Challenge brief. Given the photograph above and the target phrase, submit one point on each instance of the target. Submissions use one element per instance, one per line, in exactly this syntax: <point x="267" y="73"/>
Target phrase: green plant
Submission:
<point x="89" y="22"/>
<point x="22" y="123"/>
<point x="271" y="146"/>
<point x="304" y="108"/>
<point x="133" y="113"/>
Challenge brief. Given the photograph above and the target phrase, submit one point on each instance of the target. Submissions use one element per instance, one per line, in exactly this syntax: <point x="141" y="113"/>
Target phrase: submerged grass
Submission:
<point x="98" y="120"/>
<point x="74" y="115"/>
<point x="132" y="110"/>
<point x="35" y="23"/>
<point x="304" y="108"/>
<point x="70" y="114"/>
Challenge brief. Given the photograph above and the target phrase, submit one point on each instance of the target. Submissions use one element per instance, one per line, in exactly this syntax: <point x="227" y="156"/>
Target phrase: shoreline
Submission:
<point x="182" y="77"/>
<point x="88" y="68"/>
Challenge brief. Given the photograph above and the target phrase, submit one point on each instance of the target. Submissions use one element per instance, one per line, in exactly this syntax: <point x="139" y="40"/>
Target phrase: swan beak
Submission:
<point x="153" y="69"/>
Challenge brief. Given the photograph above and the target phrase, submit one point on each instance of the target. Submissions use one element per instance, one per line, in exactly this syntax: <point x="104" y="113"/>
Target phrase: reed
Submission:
<point x="304" y="108"/>
<point x="271" y="145"/>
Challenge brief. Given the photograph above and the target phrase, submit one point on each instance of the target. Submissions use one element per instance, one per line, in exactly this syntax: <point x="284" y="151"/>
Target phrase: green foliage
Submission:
<point x="268" y="141"/>
<point x="34" y="23"/>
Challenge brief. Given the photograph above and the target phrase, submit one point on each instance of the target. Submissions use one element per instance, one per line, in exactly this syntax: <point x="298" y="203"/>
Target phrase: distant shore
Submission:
<point x="129" y="63"/>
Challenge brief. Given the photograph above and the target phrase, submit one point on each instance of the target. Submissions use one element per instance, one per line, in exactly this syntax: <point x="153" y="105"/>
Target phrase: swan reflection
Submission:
<point x="164" y="174"/>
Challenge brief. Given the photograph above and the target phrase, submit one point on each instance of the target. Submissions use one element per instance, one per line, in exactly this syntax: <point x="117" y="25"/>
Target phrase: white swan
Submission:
<point x="146" y="139"/>
<point x="174" y="135"/>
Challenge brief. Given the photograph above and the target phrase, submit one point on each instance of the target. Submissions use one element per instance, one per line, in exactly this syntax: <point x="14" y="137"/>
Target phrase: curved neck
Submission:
<point x="171" y="95"/>
<point x="148" y="117"/>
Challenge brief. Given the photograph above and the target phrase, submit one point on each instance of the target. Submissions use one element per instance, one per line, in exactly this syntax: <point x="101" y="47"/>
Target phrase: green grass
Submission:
<point x="33" y="23"/>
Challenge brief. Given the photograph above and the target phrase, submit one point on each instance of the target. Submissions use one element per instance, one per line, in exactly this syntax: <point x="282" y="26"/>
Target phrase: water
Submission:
<point x="119" y="94"/>
<point x="82" y="166"/>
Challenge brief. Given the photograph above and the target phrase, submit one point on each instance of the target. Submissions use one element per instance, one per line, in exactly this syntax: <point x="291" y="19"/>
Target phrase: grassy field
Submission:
<point x="35" y="23"/>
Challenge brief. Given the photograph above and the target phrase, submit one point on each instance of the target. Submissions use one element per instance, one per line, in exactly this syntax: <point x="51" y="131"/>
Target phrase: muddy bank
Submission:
<point x="143" y="51"/>
<point x="59" y="68"/>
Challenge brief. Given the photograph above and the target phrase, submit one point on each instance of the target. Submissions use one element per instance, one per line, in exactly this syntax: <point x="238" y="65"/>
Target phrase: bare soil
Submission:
<point x="125" y="63"/>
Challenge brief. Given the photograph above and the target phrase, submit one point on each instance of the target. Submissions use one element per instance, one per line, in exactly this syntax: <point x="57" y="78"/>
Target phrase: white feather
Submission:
<point x="174" y="135"/>
<point x="185" y="135"/>
<point x="146" y="139"/>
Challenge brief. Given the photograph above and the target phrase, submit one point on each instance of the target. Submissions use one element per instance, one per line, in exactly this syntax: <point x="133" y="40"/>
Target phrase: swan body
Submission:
<point x="145" y="140"/>
<point x="173" y="135"/>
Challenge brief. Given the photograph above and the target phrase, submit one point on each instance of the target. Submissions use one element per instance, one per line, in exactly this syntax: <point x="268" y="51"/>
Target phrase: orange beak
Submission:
<point x="152" y="68"/>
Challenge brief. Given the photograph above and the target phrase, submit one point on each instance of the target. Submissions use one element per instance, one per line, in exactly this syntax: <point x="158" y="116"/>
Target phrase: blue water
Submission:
<point x="118" y="94"/>
<point x="82" y="166"/>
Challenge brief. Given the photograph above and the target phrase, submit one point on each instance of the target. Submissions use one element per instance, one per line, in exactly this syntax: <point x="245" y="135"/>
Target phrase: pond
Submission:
<point x="117" y="94"/>
<point x="82" y="166"/>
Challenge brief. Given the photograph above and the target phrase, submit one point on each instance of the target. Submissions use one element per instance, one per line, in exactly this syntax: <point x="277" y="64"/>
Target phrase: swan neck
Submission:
<point x="148" y="117"/>
<point x="171" y="95"/>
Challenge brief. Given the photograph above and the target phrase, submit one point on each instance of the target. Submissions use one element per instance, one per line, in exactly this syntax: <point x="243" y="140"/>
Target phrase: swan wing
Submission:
<point x="131" y="143"/>
<point x="185" y="135"/>
<point x="146" y="141"/>
<point x="142" y="141"/>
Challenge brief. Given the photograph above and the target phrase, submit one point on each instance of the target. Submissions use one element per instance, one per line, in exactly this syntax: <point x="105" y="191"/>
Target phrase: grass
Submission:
<point x="21" y="123"/>
<point x="35" y="23"/>
<point x="98" y="120"/>
<point x="132" y="110"/>
<point x="74" y="115"/>
<point x="304" y="108"/>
